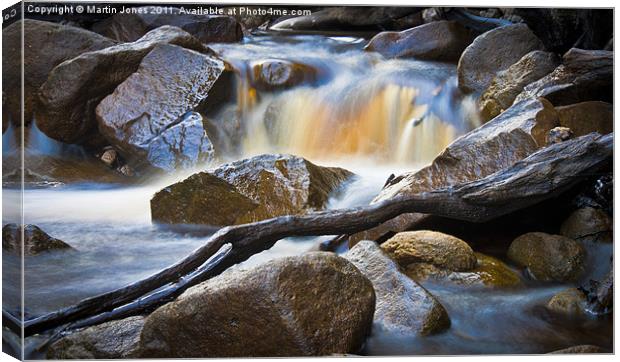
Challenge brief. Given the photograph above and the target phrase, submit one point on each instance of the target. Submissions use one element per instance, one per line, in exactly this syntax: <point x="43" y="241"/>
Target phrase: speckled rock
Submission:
<point x="570" y="302"/>
<point x="316" y="304"/>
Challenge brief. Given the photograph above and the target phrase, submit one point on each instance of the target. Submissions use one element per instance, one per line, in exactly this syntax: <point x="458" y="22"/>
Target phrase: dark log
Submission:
<point x="544" y="174"/>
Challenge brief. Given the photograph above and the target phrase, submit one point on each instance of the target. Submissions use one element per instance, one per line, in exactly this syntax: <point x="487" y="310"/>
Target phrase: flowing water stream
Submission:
<point x="373" y="116"/>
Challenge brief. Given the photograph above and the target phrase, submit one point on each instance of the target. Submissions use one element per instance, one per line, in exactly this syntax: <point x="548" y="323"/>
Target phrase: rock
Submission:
<point x="588" y="223"/>
<point x="559" y="134"/>
<point x="126" y="170"/>
<point x="507" y="84"/>
<point x="585" y="75"/>
<point x="492" y="52"/>
<point x="584" y="348"/>
<point x="111" y="340"/>
<point x="36" y="240"/>
<point x="403" y="306"/>
<point x="441" y="250"/>
<point x="489" y="272"/>
<point x="109" y="157"/>
<point x="439" y="40"/>
<point x="548" y="257"/>
<point x="586" y="117"/>
<point x="74" y="88"/>
<point x="148" y="117"/>
<point x="45" y="46"/>
<point x="248" y="190"/>
<point x="206" y="28"/>
<point x="570" y="302"/>
<point x="311" y="305"/>
<point x="277" y="74"/>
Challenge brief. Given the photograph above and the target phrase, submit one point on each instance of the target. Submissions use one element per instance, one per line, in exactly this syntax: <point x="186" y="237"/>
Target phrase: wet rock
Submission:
<point x="588" y="224"/>
<point x="276" y="74"/>
<point x="248" y="190"/>
<point x="148" y="117"/>
<point x="111" y="340"/>
<point x="559" y="134"/>
<point x="403" y="306"/>
<point x="36" y="240"/>
<point x="492" y="52"/>
<point x="109" y="157"/>
<point x="439" y="40"/>
<point x="507" y="84"/>
<point x="585" y="75"/>
<point x="126" y="170"/>
<point x="571" y="302"/>
<point x="548" y="257"/>
<point x="74" y="88"/>
<point x="206" y="28"/>
<point x="584" y="348"/>
<point x="431" y="247"/>
<point x="586" y="117"/>
<point x="45" y="46"/>
<point x="488" y="272"/>
<point x="311" y="305"/>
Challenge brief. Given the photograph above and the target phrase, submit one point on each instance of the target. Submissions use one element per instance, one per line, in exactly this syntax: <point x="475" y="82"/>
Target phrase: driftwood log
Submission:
<point x="543" y="175"/>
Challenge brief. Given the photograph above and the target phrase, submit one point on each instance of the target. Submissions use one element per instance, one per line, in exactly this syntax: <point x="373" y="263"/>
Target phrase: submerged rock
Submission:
<point x="439" y="40"/>
<point x="403" y="306"/>
<point x="507" y="84"/>
<point x="585" y="75"/>
<point x="45" y="45"/>
<point x="277" y="74"/>
<point x="492" y="52"/>
<point x="36" y="241"/>
<point x="149" y="116"/>
<point x="548" y="257"/>
<point x="316" y="304"/>
<point x="588" y="224"/>
<point x="571" y="302"/>
<point x="74" y="88"/>
<point x="586" y="117"/>
<point x="111" y="340"/>
<point x="248" y="190"/>
<point x="206" y="28"/>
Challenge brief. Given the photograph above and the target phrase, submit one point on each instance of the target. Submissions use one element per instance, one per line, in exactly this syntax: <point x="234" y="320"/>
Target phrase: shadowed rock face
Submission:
<point x="588" y="224"/>
<point x="492" y="52"/>
<point x="248" y="190"/>
<point x="111" y="340"/>
<point x="148" y="117"/>
<point x="206" y="28"/>
<point x="75" y="88"/>
<point x="45" y="46"/>
<point x="586" y="117"/>
<point x="439" y="40"/>
<point x="403" y="306"/>
<point x="585" y="75"/>
<point x="311" y="305"/>
<point x="36" y="240"/>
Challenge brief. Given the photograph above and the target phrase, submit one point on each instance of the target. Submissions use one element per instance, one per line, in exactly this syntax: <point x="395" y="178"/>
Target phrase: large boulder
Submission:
<point x="492" y="52"/>
<point x="548" y="257"/>
<point x="588" y="223"/>
<point x="36" y="241"/>
<point x="316" y="304"/>
<point x="439" y="40"/>
<point x="585" y="75"/>
<point x="403" y="306"/>
<point x="507" y="84"/>
<point x="75" y="87"/>
<point x="45" y="45"/>
<point x="111" y="340"/>
<point x="149" y="116"/>
<point x="586" y="117"/>
<point x="206" y="28"/>
<point x="248" y="190"/>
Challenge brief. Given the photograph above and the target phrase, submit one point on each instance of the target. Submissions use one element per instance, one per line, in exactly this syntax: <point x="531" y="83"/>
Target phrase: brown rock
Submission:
<point x="548" y="257"/>
<point x="586" y="117"/>
<point x="588" y="223"/>
<point x="149" y="116"/>
<point x="492" y="52"/>
<point x="568" y="302"/>
<point x="36" y="240"/>
<point x="507" y="84"/>
<point x="439" y="40"/>
<point x="111" y="340"/>
<point x="559" y="134"/>
<point x="403" y="306"/>
<point x="312" y="305"/>
<point x="277" y="74"/>
<point x="74" y="88"/>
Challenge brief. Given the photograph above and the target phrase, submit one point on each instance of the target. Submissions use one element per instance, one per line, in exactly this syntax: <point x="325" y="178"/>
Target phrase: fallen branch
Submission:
<point x="542" y="175"/>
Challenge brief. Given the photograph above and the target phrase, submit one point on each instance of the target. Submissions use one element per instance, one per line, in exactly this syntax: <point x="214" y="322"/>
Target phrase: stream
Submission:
<point x="372" y="116"/>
